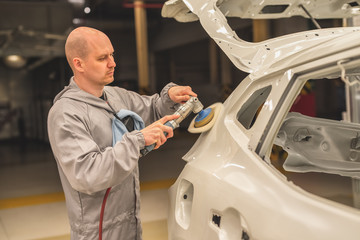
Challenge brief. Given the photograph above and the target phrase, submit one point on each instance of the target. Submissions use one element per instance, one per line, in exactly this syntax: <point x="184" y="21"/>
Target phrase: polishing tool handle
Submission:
<point x="149" y="148"/>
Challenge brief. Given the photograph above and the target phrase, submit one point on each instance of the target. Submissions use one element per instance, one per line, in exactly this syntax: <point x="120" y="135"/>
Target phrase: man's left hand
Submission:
<point x="180" y="94"/>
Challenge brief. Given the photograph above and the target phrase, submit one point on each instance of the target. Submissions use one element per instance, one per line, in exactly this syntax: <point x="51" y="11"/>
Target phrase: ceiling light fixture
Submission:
<point x="87" y="10"/>
<point x="15" y="61"/>
<point x="79" y="2"/>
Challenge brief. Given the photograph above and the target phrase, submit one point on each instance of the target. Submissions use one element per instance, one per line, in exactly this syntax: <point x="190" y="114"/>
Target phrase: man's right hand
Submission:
<point x="154" y="133"/>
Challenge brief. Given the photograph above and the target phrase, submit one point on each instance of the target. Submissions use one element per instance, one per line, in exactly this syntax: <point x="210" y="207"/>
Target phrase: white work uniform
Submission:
<point x="80" y="134"/>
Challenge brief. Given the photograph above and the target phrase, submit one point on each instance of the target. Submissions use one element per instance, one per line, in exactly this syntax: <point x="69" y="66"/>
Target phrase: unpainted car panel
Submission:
<point x="229" y="189"/>
<point x="270" y="55"/>
<point x="268" y="206"/>
<point x="182" y="11"/>
<point x="228" y="176"/>
<point x="320" y="145"/>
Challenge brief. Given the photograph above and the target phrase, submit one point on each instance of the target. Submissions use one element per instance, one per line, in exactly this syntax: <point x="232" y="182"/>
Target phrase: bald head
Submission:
<point x="77" y="43"/>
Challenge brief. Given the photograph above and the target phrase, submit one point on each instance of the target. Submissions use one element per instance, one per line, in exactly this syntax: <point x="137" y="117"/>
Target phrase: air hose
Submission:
<point x="102" y="212"/>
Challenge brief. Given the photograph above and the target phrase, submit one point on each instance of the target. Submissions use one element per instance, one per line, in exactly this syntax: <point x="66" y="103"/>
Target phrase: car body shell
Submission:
<point x="228" y="189"/>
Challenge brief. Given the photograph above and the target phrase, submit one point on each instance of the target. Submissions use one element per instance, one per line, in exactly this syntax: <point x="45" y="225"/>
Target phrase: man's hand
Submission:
<point x="180" y="94"/>
<point x="154" y="133"/>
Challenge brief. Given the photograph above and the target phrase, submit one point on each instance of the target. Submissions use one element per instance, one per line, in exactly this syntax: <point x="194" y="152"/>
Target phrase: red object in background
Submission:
<point x="305" y="104"/>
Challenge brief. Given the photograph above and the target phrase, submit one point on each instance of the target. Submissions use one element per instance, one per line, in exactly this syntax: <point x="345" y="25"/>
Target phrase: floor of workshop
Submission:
<point x="32" y="203"/>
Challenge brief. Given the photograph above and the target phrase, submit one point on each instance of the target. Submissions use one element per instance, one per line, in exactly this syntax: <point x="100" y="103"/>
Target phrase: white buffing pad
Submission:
<point x="217" y="108"/>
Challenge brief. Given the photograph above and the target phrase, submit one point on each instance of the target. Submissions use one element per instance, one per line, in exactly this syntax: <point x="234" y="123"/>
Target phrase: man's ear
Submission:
<point x="78" y="64"/>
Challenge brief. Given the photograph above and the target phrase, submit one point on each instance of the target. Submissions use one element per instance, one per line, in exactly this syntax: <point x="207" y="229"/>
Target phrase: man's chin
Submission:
<point x="109" y="80"/>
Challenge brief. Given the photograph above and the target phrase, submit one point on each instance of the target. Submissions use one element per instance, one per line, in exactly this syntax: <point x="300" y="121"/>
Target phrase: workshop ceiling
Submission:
<point x="39" y="28"/>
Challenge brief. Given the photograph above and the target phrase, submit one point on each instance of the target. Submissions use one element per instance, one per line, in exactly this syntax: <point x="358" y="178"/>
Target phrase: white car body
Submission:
<point x="228" y="189"/>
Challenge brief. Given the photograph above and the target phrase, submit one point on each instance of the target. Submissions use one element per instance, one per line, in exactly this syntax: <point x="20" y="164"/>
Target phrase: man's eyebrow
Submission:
<point x="105" y="55"/>
<point x="102" y="55"/>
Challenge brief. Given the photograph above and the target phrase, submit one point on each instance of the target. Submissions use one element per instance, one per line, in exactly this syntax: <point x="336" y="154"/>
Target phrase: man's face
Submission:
<point x="99" y="64"/>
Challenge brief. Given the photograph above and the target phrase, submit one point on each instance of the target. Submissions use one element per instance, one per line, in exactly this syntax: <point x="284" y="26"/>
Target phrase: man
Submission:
<point x="80" y="133"/>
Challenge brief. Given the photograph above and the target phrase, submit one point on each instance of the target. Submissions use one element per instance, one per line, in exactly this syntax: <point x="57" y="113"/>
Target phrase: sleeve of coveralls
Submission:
<point x="154" y="107"/>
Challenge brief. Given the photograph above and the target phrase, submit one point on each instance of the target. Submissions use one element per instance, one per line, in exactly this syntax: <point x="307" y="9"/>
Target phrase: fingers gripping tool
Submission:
<point x="192" y="105"/>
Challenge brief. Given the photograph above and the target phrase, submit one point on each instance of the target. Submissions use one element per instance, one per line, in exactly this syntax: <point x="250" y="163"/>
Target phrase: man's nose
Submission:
<point x="111" y="63"/>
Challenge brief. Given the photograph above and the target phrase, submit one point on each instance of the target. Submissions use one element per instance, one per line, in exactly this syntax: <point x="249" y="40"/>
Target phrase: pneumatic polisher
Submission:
<point x="192" y="105"/>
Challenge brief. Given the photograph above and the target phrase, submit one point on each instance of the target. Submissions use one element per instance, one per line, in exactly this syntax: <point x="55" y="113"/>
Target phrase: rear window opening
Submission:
<point x="315" y="149"/>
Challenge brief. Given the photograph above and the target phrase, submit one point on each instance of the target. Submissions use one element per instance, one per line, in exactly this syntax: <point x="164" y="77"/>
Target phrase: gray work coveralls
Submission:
<point x="80" y="134"/>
